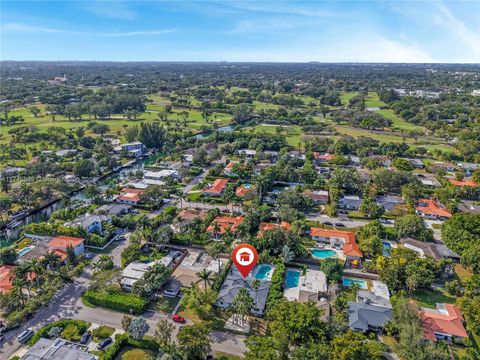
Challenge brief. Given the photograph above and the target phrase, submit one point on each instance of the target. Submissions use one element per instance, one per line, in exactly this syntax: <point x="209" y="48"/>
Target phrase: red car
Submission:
<point x="178" y="319"/>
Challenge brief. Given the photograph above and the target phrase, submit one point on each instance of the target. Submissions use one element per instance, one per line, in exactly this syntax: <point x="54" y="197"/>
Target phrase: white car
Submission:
<point x="25" y="335"/>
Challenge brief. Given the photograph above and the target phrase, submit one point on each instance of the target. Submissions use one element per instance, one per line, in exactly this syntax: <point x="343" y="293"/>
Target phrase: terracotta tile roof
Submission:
<point x="63" y="242"/>
<point x="430" y="207"/>
<point x="225" y="222"/>
<point x="129" y="194"/>
<point x="265" y="226"/>
<point x="191" y="214"/>
<point x="446" y="319"/>
<point x="229" y="166"/>
<point x="5" y="278"/>
<point x="350" y="247"/>
<point x="5" y="282"/>
<point x="325" y="157"/>
<point x="462" y="183"/>
<point x="218" y="186"/>
<point x="242" y="191"/>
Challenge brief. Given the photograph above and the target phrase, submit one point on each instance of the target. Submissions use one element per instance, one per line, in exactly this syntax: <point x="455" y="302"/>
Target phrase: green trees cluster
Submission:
<point x="461" y="233"/>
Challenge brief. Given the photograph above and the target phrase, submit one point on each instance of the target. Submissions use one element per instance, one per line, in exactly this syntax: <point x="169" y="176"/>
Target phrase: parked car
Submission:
<point x="179" y="319"/>
<point x="25" y="335"/>
<point x="328" y="223"/>
<point x="85" y="337"/>
<point x="2" y="339"/>
<point x="88" y="255"/>
<point x="340" y="224"/>
<point x="104" y="343"/>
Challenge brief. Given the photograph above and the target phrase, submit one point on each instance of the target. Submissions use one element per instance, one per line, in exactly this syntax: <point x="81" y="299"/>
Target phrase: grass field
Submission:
<point x="372" y="100"/>
<point x="398" y="122"/>
<point x="131" y="353"/>
<point x="429" y="298"/>
<point x="345" y="96"/>
<point x="293" y="133"/>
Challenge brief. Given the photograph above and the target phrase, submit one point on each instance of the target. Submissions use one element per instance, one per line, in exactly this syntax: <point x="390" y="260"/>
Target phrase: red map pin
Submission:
<point x="244" y="257"/>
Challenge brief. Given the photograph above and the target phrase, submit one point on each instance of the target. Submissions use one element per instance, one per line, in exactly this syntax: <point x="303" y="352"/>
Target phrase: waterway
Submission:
<point x="42" y="214"/>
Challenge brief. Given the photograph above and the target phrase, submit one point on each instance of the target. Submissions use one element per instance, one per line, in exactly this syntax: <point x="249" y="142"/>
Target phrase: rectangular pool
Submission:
<point x="292" y="278"/>
<point x="362" y="284"/>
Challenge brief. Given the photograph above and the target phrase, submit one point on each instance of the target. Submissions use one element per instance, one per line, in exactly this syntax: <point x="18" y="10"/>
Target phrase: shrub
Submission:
<point x="54" y="332"/>
<point x="71" y="333"/>
<point x="80" y="325"/>
<point x="123" y="301"/>
<point x="102" y="332"/>
<point x="276" y="291"/>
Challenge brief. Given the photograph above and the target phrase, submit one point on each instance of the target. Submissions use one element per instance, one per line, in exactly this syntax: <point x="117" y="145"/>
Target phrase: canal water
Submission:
<point x="10" y="235"/>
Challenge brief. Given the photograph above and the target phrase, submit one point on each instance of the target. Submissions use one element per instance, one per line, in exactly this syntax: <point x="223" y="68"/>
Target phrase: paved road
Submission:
<point x="67" y="304"/>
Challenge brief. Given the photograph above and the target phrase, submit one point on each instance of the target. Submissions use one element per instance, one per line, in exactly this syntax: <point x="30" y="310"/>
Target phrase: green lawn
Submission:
<point x="398" y="122"/>
<point x="131" y="353"/>
<point x="429" y="298"/>
<point x="372" y="100"/>
<point x="293" y="134"/>
<point x="345" y="96"/>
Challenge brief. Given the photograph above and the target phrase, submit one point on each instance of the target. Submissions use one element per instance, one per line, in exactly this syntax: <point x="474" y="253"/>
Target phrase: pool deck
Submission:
<point x="291" y="293"/>
<point x="340" y="254"/>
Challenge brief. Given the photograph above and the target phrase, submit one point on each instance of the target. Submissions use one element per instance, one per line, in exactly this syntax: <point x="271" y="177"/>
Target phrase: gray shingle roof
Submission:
<point x="363" y="316"/>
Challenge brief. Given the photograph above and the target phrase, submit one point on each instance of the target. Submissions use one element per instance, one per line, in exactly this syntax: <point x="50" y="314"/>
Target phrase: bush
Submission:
<point x="102" y="332"/>
<point x="122" y="340"/>
<point x="276" y="291"/>
<point x="47" y="331"/>
<point x="71" y="333"/>
<point x="123" y="301"/>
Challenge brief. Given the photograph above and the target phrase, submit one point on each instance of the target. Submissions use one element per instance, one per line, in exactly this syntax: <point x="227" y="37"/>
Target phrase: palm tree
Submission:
<point x="216" y="229"/>
<point x="37" y="268"/>
<point x="50" y="259"/>
<point x="204" y="276"/>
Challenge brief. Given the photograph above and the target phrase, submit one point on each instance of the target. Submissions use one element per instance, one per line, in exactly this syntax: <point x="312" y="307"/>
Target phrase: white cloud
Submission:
<point x="280" y="7"/>
<point x="263" y="26"/>
<point x="40" y="29"/>
<point x="464" y="34"/>
<point x="111" y="9"/>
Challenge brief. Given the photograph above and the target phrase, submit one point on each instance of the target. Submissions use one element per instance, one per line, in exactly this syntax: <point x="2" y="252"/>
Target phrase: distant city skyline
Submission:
<point x="243" y="31"/>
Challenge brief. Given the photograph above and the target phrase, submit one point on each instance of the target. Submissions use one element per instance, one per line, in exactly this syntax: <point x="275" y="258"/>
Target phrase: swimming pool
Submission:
<point x="247" y="186"/>
<point x="386" y="248"/>
<point x="292" y="278"/>
<point x="264" y="272"/>
<point x="25" y="250"/>
<point x="323" y="253"/>
<point x="362" y="284"/>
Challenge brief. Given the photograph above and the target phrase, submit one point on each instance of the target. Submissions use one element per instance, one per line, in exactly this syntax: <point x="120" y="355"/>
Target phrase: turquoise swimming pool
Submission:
<point x="25" y="250"/>
<point x="292" y="278"/>
<point x="323" y="253"/>
<point x="264" y="272"/>
<point x="362" y="284"/>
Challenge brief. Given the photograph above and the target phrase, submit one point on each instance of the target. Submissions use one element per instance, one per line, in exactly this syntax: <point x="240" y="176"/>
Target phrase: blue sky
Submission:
<point x="337" y="31"/>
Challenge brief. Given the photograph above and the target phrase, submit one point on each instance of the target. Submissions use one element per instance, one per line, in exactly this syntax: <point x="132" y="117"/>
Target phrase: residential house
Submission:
<point x="228" y="169"/>
<point x="257" y="169"/>
<point x="443" y="323"/>
<point x="61" y="243"/>
<point x="217" y="188"/>
<point x="432" y="250"/>
<point x="379" y="295"/>
<point x="445" y="166"/>
<point x="364" y="317"/>
<point x="428" y="180"/>
<point x="134" y="149"/>
<point x="136" y="270"/>
<point x="57" y="349"/>
<point x="354" y="160"/>
<point x="311" y="287"/>
<point x="158" y="177"/>
<point x="90" y="222"/>
<point x="463" y="183"/>
<point x="469" y="168"/>
<point x="247" y="153"/>
<point x="322" y="158"/>
<point x="6" y="281"/>
<point x="265" y="226"/>
<point x="416" y="163"/>
<point x="243" y="190"/>
<point x="114" y="209"/>
<point x="382" y="159"/>
<point x="186" y="217"/>
<point x="350" y="202"/>
<point x="388" y="202"/>
<point x="469" y="207"/>
<point x="234" y="281"/>
<point x="224" y="223"/>
<point x="431" y="209"/>
<point x="319" y="197"/>
<point x="344" y="240"/>
<point x="129" y="196"/>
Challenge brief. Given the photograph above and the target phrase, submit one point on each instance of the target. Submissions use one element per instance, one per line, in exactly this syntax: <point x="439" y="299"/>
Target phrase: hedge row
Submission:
<point x="122" y="340"/>
<point x="81" y="325"/>
<point x="276" y="288"/>
<point x="124" y="302"/>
